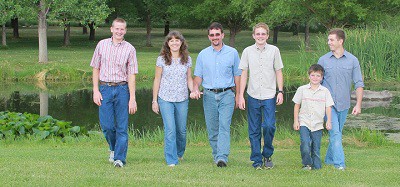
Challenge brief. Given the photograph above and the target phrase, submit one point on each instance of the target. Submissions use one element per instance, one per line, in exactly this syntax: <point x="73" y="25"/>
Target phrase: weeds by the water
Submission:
<point x="375" y="47"/>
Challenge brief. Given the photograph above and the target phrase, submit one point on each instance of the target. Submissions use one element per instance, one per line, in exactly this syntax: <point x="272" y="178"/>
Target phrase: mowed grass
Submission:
<point x="19" y="61"/>
<point x="83" y="162"/>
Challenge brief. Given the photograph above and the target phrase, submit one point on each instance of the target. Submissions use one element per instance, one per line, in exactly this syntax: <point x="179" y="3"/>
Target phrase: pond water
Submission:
<point x="77" y="106"/>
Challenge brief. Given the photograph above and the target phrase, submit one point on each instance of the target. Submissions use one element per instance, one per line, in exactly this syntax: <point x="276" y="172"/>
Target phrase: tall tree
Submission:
<point x="15" y="26"/>
<point x="235" y="14"/>
<point x="65" y="11"/>
<point x="8" y="9"/>
<point x="147" y="9"/>
<point x="44" y="7"/>
<point x="93" y="12"/>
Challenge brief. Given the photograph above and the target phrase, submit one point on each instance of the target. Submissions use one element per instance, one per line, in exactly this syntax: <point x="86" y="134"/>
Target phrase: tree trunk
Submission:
<point x="3" y="36"/>
<point x="44" y="103"/>
<point x="148" y="30"/>
<point x="92" y="31"/>
<point x="67" y="34"/>
<point x="42" y="31"/>
<point x="276" y="31"/>
<point x="15" y="25"/>
<point x="296" y="29"/>
<point x="84" y="30"/>
<point x="307" y="36"/>
<point x="166" y="28"/>
<point x="232" y="36"/>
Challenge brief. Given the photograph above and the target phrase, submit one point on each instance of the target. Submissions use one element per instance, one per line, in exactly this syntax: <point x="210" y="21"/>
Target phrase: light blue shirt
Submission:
<point x="340" y="74"/>
<point x="218" y="68"/>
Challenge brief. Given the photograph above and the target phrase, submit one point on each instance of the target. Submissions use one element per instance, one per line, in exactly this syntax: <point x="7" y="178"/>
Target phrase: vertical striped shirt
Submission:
<point x="115" y="61"/>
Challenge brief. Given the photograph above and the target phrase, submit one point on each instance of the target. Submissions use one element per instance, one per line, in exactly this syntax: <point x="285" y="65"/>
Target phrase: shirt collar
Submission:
<point x="260" y="49"/>
<point x="117" y="43"/>
<point x="345" y="54"/>
<point x="222" y="48"/>
<point x="309" y="86"/>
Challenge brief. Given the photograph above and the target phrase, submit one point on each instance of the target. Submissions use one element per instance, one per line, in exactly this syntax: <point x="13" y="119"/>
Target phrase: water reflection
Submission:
<point x="77" y="106"/>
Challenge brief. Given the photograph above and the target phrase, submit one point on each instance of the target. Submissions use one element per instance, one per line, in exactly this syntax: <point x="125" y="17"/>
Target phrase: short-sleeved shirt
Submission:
<point x="312" y="106"/>
<point x="115" y="61"/>
<point x="340" y="74"/>
<point x="218" y="68"/>
<point x="173" y="85"/>
<point x="262" y="64"/>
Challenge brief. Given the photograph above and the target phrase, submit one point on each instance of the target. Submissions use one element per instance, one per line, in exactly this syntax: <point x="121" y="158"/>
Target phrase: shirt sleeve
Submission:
<point x="189" y="63"/>
<point x="298" y="96"/>
<point x="244" y="61"/>
<point x="132" y="62"/>
<point x="328" y="99"/>
<point x="198" y="71"/>
<point x="236" y="70"/>
<point x="96" y="57"/>
<point x="160" y="61"/>
<point x="278" y="64"/>
<point x="357" y="76"/>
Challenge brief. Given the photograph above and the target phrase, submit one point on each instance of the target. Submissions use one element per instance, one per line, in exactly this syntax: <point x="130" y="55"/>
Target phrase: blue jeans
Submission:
<point x="174" y="115"/>
<point x="261" y="114"/>
<point x="335" y="153"/>
<point x="218" y="111"/>
<point x="310" y="147"/>
<point x="113" y="114"/>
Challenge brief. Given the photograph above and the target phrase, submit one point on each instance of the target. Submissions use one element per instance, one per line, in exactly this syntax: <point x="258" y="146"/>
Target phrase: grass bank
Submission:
<point x="83" y="161"/>
<point x="18" y="62"/>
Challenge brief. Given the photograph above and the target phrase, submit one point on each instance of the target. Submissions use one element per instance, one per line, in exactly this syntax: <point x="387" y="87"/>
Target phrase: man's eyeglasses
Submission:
<point x="216" y="34"/>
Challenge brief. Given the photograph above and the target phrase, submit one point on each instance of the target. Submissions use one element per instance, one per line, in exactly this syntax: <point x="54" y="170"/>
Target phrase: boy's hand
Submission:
<point x="328" y="125"/>
<point x="296" y="125"/>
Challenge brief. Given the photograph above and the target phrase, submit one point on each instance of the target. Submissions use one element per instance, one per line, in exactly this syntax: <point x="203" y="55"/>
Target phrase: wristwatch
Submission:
<point x="281" y="91"/>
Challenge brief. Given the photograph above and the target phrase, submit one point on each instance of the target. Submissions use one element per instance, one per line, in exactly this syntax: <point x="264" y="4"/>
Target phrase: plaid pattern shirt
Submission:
<point x="115" y="61"/>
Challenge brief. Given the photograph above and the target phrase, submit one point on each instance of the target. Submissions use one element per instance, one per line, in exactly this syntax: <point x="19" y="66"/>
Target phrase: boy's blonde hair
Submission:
<point x="261" y="25"/>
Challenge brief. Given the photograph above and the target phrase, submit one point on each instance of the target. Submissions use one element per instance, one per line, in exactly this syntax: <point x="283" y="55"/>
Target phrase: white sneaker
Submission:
<point x="111" y="158"/>
<point x="118" y="164"/>
<point x="171" y="165"/>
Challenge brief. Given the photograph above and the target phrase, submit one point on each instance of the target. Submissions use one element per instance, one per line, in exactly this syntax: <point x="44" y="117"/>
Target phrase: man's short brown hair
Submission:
<point x="340" y="34"/>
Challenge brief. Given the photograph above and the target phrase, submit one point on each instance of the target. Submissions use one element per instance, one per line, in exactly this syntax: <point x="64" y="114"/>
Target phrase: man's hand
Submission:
<point x="296" y="125"/>
<point x="132" y="106"/>
<point x="241" y="103"/>
<point x="195" y="94"/>
<point x="97" y="97"/>
<point x="356" y="110"/>
<point x="279" y="99"/>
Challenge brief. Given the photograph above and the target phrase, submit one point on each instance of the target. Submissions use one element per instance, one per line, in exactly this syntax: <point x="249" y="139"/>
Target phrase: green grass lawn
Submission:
<point x="84" y="162"/>
<point x="19" y="60"/>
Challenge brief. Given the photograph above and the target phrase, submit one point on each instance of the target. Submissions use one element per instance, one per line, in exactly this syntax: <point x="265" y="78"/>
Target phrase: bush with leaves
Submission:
<point x="19" y="124"/>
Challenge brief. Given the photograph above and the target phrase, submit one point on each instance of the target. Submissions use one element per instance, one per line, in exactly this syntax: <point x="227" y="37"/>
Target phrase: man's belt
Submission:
<point x="219" y="90"/>
<point x="113" y="83"/>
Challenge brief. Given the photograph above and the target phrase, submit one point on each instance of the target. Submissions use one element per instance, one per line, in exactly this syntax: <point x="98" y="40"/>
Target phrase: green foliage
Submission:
<point x="8" y="10"/>
<point x="13" y="124"/>
<point x="94" y="11"/>
<point x="375" y="47"/>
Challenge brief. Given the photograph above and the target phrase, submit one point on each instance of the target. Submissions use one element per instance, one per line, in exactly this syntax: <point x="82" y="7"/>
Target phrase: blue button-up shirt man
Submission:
<point x="217" y="71"/>
<point x="342" y="69"/>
